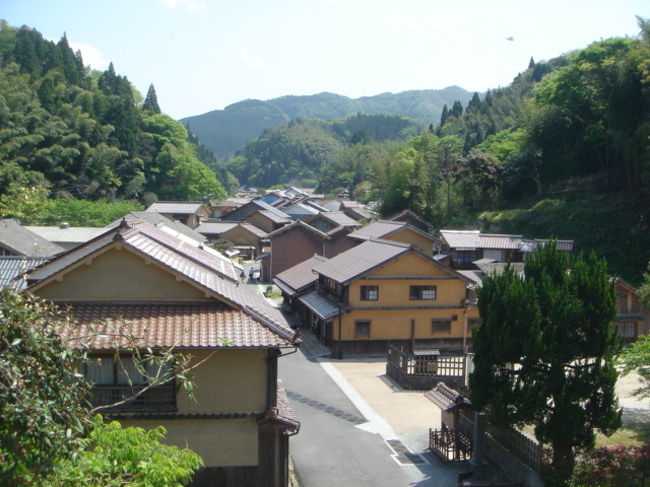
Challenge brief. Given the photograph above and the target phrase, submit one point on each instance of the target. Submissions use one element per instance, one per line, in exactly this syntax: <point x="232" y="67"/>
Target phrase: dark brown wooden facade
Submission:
<point x="297" y="244"/>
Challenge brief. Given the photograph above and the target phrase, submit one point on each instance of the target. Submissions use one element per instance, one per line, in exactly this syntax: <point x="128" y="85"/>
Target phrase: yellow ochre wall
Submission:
<point x="230" y="381"/>
<point x="423" y="244"/>
<point x="119" y="275"/>
<point x="394" y="324"/>
<point x="219" y="442"/>
<point x="239" y="236"/>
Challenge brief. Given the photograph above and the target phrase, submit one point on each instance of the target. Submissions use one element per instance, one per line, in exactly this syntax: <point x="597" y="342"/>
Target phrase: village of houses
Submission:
<point x="335" y="345"/>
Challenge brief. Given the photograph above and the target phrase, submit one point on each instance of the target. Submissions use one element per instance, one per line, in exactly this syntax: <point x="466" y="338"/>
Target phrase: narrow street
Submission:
<point x="332" y="448"/>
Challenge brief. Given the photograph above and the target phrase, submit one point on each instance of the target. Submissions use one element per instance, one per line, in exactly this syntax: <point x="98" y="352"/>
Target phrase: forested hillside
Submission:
<point x="300" y="151"/>
<point x="227" y="131"/>
<point x="71" y="132"/>
<point x="563" y="151"/>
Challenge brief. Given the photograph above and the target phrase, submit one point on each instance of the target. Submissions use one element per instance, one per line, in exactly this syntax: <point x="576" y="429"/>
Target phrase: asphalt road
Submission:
<point x="331" y="449"/>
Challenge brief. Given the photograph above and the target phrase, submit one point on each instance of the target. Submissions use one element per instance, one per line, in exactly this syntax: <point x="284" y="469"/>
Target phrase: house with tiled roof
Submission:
<point x="412" y="219"/>
<point x="145" y="288"/>
<point x="191" y="213"/>
<point x="382" y="292"/>
<point x="632" y="318"/>
<point x="245" y="237"/>
<point x="174" y="227"/>
<point x="21" y="241"/>
<point x="463" y="247"/>
<point x="396" y="231"/>
<point x="268" y="221"/>
<point x="65" y="235"/>
<point x="297" y="242"/>
<point x="326" y="221"/>
<point x="253" y="206"/>
<point x="298" y="280"/>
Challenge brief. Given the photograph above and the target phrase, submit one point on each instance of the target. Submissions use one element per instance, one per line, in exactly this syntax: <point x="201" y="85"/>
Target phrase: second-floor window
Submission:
<point x="422" y="293"/>
<point x="369" y="293"/>
<point x="127" y="386"/>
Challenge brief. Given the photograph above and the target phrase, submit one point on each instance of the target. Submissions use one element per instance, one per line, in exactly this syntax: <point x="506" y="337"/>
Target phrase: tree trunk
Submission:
<point x="562" y="465"/>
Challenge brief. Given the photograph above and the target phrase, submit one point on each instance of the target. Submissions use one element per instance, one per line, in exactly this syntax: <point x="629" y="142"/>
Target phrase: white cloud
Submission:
<point x="189" y="5"/>
<point x="91" y="55"/>
<point x="252" y="62"/>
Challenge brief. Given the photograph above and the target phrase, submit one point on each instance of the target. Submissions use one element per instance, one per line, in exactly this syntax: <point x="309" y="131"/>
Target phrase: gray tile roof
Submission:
<point x="300" y="276"/>
<point x="474" y="239"/>
<point x="297" y="224"/>
<point x="23" y="241"/>
<point x="63" y="234"/>
<point x="361" y="259"/>
<point x="321" y="306"/>
<point x="274" y="217"/>
<point x="13" y="268"/>
<point x="159" y="220"/>
<point x="215" y="228"/>
<point x="182" y="207"/>
<point x="383" y="229"/>
<point x="339" y="218"/>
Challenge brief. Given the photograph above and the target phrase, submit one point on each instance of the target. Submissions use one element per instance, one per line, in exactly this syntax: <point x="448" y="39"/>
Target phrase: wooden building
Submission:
<point x="137" y="280"/>
<point x="297" y="242"/>
<point x="382" y="292"/>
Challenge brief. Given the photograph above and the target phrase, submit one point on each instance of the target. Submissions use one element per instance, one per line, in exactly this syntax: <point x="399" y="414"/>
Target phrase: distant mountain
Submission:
<point x="227" y="131"/>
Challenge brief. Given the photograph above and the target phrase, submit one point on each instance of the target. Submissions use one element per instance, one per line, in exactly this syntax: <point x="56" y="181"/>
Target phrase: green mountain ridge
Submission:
<point x="225" y="132"/>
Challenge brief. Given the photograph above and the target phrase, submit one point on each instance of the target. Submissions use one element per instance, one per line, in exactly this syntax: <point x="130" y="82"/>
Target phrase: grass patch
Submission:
<point x="630" y="434"/>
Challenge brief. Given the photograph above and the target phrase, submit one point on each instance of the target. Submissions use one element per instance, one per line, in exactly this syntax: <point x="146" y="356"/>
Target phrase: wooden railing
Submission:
<point x="517" y="443"/>
<point x="450" y="444"/>
<point x="158" y="398"/>
<point x="420" y="371"/>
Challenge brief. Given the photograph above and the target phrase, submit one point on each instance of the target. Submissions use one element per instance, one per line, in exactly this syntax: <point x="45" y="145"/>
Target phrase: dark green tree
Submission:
<point x="151" y="101"/>
<point x="545" y="353"/>
<point x="41" y="404"/>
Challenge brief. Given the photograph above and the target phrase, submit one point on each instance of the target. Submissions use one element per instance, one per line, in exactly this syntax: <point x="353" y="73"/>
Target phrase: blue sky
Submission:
<point x="203" y="55"/>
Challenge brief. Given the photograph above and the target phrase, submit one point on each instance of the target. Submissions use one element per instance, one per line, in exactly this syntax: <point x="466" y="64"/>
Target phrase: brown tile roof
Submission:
<point x="298" y="277"/>
<point x="107" y="326"/>
<point x="285" y="413"/>
<point x="383" y="229"/>
<point x="190" y="265"/>
<point x="361" y="259"/>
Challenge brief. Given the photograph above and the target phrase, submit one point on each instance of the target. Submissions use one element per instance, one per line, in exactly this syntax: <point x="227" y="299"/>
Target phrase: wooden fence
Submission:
<point x="517" y="443"/>
<point x="450" y="444"/>
<point x="423" y="369"/>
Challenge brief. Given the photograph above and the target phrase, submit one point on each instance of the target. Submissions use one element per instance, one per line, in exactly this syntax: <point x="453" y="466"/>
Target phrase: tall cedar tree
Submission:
<point x="545" y="353"/>
<point x="151" y="101"/>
